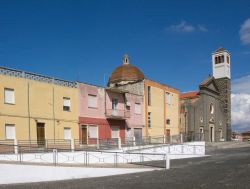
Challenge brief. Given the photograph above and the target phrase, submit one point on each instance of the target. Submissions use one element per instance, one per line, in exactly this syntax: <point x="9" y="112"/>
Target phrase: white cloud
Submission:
<point x="202" y="28"/>
<point x="241" y="85"/>
<point x="245" y="32"/>
<point x="185" y="27"/>
<point x="241" y="104"/>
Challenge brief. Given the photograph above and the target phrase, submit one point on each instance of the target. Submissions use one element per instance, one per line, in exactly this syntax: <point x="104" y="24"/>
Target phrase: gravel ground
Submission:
<point x="225" y="168"/>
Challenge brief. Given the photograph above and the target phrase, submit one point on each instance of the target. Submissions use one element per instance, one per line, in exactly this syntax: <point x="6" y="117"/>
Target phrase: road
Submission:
<point x="225" y="168"/>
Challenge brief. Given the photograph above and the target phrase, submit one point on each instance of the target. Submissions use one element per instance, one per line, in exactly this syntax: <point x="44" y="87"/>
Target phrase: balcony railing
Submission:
<point x="117" y="114"/>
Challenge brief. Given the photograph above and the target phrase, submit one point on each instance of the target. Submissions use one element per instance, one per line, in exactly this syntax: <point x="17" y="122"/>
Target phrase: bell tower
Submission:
<point x="221" y="64"/>
<point x="222" y="74"/>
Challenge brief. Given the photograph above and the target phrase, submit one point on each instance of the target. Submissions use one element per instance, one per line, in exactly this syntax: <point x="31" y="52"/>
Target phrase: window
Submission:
<point x="168" y="121"/>
<point x="211" y="108"/>
<point x="201" y="119"/>
<point x="67" y="133"/>
<point x="216" y="60"/>
<point x="9" y="96"/>
<point x="115" y="132"/>
<point x="228" y="59"/>
<point x="66" y="104"/>
<point x="201" y="130"/>
<point x="149" y="96"/>
<point x="92" y="131"/>
<point x="168" y="98"/>
<point x="92" y="101"/>
<point x="222" y="58"/>
<point x="137" y="108"/>
<point x="114" y="103"/>
<point x="10" y="132"/>
<point x="149" y="119"/>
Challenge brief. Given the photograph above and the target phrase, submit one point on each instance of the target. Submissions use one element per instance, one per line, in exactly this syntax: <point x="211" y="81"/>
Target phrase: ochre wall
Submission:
<point x="40" y="107"/>
<point x="160" y="111"/>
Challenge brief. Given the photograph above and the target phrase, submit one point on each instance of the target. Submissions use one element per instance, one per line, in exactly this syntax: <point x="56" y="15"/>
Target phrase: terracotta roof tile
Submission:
<point x="193" y="94"/>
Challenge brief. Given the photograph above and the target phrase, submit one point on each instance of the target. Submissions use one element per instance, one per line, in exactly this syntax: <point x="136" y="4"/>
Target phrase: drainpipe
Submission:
<point x="28" y="90"/>
<point x="53" y="106"/>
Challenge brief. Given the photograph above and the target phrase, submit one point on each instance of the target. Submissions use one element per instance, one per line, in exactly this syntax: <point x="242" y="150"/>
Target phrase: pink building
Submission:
<point x="106" y="113"/>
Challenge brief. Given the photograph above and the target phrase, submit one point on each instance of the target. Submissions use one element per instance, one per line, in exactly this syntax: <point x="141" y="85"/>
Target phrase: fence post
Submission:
<point x="181" y="138"/>
<point x="115" y="159"/>
<point x="98" y="144"/>
<point x="134" y="143"/>
<point x="54" y="157"/>
<point x="119" y="143"/>
<point x="16" y="146"/>
<point x="167" y="161"/>
<point x="72" y="145"/>
<point x="164" y="139"/>
<point x="46" y="144"/>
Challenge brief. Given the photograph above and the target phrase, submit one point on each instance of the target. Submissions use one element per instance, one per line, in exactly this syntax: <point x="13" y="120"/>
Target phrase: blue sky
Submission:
<point x="170" y="41"/>
<point x="85" y="40"/>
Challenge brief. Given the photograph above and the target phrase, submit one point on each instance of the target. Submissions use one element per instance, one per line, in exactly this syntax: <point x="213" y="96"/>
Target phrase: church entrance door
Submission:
<point x="211" y="132"/>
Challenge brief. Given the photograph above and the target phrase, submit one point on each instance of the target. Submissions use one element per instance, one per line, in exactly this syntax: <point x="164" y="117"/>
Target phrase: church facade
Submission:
<point x="206" y="113"/>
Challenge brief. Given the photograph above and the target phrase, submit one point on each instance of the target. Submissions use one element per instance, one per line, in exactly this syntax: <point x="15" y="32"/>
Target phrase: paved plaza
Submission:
<point x="225" y="168"/>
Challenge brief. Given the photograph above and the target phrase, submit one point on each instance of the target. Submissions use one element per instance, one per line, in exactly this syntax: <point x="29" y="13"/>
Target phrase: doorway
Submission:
<point x="40" y="134"/>
<point x="84" y="135"/>
<point x="167" y="140"/>
<point x="211" y="134"/>
<point x="138" y="136"/>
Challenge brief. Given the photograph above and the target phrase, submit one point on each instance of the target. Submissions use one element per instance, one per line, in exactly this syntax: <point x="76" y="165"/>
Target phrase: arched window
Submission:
<point x="211" y="108"/>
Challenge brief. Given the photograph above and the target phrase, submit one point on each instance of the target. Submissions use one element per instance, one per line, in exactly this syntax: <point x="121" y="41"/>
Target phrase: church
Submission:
<point x="206" y="114"/>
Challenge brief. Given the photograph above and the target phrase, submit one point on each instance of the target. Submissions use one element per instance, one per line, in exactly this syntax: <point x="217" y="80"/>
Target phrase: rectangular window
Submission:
<point x="9" y="96"/>
<point x="92" y="131"/>
<point x="114" y="103"/>
<point x="168" y="121"/>
<point x="66" y="104"/>
<point x="149" y="119"/>
<point x="10" y="132"/>
<point x="67" y="133"/>
<point x="137" y="108"/>
<point x="149" y="96"/>
<point x="115" y="132"/>
<point x="168" y="98"/>
<point x="92" y="101"/>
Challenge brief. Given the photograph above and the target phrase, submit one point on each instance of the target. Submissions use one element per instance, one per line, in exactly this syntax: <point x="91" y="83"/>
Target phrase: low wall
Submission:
<point x="187" y="150"/>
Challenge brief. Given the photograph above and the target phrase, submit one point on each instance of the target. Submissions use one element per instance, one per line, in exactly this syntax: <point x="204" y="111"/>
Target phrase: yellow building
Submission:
<point x="35" y="107"/>
<point x="161" y="109"/>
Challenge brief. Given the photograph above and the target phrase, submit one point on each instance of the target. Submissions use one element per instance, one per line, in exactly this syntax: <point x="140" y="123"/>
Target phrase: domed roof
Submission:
<point x="126" y="72"/>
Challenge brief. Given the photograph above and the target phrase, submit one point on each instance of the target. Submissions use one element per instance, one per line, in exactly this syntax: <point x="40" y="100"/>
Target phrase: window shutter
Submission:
<point x="115" y="132"/>
<point x="10" y="132"/>
<point x="9" y="96"/>
<point x="67" y="133"/>
<point x="137" y="108"/>
<point x="92" y="131"/>
<point x="92" y="101"/>
<point x="168" y="98"/>
<point x="66" y="102"/>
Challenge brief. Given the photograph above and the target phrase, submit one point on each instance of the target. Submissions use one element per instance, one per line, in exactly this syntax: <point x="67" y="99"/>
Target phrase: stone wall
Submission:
<point x="224" y="85"/>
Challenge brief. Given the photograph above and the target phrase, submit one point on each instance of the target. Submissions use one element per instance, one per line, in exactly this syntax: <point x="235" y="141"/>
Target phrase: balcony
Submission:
<point x="117" y="114"/>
